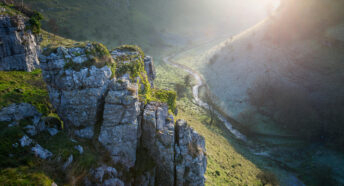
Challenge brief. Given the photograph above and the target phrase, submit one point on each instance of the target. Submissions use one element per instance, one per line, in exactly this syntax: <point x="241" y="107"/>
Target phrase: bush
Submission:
<point x="165" y="96"/>
<point x="35" y="22"/>
<point x="268" y="178"/>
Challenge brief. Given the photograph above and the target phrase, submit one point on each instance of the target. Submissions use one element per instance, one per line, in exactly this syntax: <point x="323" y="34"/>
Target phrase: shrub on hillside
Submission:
<point x="35" y="22"/>
<point x="268" y="178"/>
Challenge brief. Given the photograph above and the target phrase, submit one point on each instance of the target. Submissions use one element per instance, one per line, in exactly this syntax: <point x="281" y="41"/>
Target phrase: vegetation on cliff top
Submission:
<point x="133" y="64"/>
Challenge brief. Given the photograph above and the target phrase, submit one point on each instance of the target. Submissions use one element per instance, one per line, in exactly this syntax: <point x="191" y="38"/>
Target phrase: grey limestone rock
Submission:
<point x="68" y="162"/>
<point x="119" y="129"/>
<point x="52" y="131"/>
<point x="79" y="148"/>
<point x="150" y="69"/>
<point x="76" y="95"/>
<point x="17" y="112"/>
<point x="158" y="138"/>
<point x="18" y="47"/>
<point x="25" y="141"/>
<point x="191" y="161"/>
<point x="41" y="152"/>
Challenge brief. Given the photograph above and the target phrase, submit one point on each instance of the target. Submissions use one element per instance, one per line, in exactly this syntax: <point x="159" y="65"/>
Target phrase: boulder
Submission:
<point x="41" y="152"/>
<point x="68" y="162"/>
<point x="79" y="148"/>
<point x="17" y="112"/>
<point x="102" y="172"/>
<point x="103" y="175"/>
<point x="18" y="47"/>
<point x="52" y="131"/>
<point x="25" y="141"/>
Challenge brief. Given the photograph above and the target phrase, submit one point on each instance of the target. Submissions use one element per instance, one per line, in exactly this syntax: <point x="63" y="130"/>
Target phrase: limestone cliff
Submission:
<point x="111" y="102"/>
<point x="18" y="47"/>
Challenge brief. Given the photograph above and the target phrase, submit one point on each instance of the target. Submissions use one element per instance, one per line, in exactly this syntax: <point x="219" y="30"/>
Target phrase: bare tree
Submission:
<point x="53" y="26"/>
<point x="180" y="89"/>
<point x="208" y="98"/>
<point x="187" y="80"/>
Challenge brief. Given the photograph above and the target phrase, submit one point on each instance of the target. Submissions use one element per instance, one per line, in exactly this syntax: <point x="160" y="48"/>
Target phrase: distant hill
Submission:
<point x="149" y="23"/>
<point x="288" y="68"/>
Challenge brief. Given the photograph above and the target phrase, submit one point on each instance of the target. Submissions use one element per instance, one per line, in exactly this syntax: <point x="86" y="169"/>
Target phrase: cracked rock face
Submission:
<point x="177" y="150"/>
<point x="190" y="156"/>
<point x="158" y="137"/>
<point x="18" y="47"/>
<point x="119" y="129"/>
<point x="76" y="95"/>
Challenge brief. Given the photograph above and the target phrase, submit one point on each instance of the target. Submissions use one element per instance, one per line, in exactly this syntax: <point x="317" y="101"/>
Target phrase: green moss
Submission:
<point x="165" y="96"/>
<point x="98" y="55"/>
<point x="29" y="87"/>
<point x="23" y="176"/>
<point x="131" y="63"/>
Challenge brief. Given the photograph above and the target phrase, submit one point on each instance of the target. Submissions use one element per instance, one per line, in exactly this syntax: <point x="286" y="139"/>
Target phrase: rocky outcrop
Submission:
<point x="190" y="155"/>
<point x="177" y="151"/>
<point x="18" y="47"/>
<point x="158" y="139"/>
<point x="150" y="69"/>
<point x="76" y="95"/>
<point x="16" y="112"/>
<point x="142" y="139"/>
<point x="120" y="124"/>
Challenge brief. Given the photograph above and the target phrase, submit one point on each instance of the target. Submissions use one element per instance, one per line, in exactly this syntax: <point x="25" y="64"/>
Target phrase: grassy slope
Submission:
<point x="225" y="165"/>
<point x="17" y="87"/>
